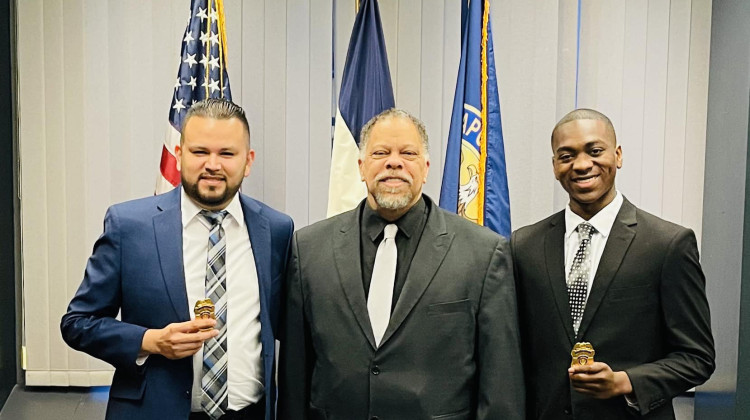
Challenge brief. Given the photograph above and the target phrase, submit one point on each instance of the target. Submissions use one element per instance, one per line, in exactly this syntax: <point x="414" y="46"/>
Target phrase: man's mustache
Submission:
<point x="393" y="174"/>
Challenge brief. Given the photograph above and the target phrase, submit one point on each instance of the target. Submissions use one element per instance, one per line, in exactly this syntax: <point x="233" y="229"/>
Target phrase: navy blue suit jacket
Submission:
<point x="137" y="269"/>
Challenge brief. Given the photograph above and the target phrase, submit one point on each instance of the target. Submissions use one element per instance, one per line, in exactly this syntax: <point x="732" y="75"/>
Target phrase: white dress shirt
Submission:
<point x="245" y="364"/>
<point x="602" y="222"/>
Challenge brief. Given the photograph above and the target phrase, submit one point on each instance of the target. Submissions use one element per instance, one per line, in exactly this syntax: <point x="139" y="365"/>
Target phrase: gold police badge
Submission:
<point x="204" y="309"/>
<point x="583" y="354"/>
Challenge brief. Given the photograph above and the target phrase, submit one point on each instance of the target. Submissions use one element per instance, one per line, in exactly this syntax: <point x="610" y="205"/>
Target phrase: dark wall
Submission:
<point x="743" y="364"/>
<point x="725" y="243"/>
<point x="8" y="238"/>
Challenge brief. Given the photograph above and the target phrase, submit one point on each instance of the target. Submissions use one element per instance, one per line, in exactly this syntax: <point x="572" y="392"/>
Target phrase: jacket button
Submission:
<point x="375" y="371"/>
<point x="187" y="394"/>
<point x="567" y="411"/>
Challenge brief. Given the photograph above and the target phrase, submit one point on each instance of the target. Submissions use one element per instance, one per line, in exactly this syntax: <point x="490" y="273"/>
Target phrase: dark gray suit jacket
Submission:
<point x="647" y="314"/>
<point x="450" y="352"/>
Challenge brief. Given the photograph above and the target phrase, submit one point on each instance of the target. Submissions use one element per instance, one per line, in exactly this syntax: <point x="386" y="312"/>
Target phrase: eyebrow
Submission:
<point x="585" y="146"/>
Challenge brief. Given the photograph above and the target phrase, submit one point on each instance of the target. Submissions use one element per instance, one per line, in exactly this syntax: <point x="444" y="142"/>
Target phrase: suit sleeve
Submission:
<point x="89" y="325"/>
<point x="501" y="388"/>
<point x="295" y="359"/>
<point x="688" y="343"/>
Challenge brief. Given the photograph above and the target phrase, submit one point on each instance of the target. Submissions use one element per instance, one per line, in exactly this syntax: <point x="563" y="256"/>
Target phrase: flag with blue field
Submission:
<point x="475" y="184"/>
<point x="366" y="91"/>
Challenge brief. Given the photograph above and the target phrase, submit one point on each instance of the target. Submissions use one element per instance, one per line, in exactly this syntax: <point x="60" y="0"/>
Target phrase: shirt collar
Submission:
<point x="602" y="221"/>
<point x="373" y="224"/>
<point x="189" y="209"/>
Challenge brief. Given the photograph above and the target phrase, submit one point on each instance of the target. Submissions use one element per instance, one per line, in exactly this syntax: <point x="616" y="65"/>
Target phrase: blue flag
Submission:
<point x="366" y="91"/>
<point x="475" y="184"/>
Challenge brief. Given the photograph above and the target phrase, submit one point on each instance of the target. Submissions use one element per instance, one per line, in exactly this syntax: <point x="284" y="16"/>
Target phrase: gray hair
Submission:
<point x="364" y="135"/>
<point x="585" y="114"/>
<point x="216" y="109"/>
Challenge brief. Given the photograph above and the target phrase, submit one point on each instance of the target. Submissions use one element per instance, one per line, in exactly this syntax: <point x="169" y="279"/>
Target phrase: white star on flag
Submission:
<point x="190" y="60"/>
<point x="177" y="84"/>
<point x="188" y="37"/>
<point x="192" y="83"/>
<point x="178" y="105"/>
<point x="214" y="62"/>
<point x="214" y="85"/>
<point x="201" y="14"/>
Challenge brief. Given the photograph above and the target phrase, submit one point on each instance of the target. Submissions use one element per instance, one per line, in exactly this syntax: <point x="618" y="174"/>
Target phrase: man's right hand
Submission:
<point x="178" y="340"/>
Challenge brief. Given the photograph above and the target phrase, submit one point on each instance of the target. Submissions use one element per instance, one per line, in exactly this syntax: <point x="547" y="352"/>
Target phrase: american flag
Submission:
<point x="202" y="74"/>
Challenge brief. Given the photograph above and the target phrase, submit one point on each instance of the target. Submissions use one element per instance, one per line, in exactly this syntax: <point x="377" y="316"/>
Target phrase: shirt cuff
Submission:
<point x="142" y="359"/>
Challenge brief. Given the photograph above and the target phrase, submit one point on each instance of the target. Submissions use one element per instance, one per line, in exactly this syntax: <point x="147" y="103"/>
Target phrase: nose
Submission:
<point x="394" y="161"/>
<point x="582" y="163"/>
<point x="212" y="163"/>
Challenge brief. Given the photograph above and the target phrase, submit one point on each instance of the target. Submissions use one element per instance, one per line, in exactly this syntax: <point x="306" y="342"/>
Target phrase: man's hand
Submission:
<point x="178" y="340"/>
<point x="599" y="381"/>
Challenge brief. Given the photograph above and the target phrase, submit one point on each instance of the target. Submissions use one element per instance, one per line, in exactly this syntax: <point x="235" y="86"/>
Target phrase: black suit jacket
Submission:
<point x="450" y="352"/>
<point x="646" y="314"/>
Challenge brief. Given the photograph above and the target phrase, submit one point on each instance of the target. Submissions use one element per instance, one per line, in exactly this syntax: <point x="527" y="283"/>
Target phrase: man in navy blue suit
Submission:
<point x="158" y="256"/>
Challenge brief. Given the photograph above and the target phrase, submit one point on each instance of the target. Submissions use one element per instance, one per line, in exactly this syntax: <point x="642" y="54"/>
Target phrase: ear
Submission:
<point x="178" y="155"/>
<point x="426" y="171"/>
<point x="361" y="170"/>
<point x="250" y="158"/>
<point x="618" y="156"/>
<point x="554" y="170"/>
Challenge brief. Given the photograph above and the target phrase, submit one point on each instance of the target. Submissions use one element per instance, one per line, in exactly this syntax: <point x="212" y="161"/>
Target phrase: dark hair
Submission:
<point x="217" y="109"/>
<point x="585" y="114"/>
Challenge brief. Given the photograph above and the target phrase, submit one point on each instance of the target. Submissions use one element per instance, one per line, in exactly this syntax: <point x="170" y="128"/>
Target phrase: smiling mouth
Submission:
<point x="585" y="180"/>
<point x="212" y="179"/>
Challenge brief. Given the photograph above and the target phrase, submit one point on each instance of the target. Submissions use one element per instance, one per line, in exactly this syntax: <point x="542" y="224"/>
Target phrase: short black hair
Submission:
<point x="584" y="114"/>
<point x="217" y="109"/>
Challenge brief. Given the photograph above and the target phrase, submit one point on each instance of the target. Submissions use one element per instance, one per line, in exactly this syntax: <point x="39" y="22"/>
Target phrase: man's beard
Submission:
<point x="386" y="198"/>
<point x="393" y="202"/>
<point x="193" y="191"/>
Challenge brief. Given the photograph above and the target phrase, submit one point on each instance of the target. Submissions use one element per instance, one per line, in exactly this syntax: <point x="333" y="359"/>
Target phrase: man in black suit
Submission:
<point x="437" y="338"/>
<point x="605" y="272"/>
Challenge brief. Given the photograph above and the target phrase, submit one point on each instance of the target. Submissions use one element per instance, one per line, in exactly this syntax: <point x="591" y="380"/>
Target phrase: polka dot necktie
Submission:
<point x="579" y="274"/>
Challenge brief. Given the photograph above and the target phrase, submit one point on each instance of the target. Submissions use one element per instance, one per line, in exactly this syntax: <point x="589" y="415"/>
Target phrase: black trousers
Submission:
<point x="255" y="411"/>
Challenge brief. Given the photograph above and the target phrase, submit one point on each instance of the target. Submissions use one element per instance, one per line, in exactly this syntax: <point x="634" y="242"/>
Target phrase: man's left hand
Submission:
<point x="599" y="381"/>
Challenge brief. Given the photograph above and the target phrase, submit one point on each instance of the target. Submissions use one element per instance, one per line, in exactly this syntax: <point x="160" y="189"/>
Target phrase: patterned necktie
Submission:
<point x="215" y="399"/>
<point x="579" y="275"/>
<point x="380" y="297"/>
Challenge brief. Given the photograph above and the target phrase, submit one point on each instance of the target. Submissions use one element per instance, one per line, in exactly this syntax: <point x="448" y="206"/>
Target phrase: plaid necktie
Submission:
<point x="215" y="398"/>
<point x="579" y="275"/>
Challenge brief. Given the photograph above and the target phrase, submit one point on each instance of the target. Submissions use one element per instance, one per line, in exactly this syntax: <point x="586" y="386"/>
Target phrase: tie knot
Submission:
<point x="214" y="217"/>
<point x="585" y="230"/>
<point x="390" y="231"/>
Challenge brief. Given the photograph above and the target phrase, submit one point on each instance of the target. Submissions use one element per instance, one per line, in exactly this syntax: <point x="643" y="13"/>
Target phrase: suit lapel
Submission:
<point x="348" y="264"/>
<point x="619" y="240"/>
<point x="554" y="256"/>
<point x="260" y="240"/>
<point x="168" y="226"/>
<point x="432" y="248"/>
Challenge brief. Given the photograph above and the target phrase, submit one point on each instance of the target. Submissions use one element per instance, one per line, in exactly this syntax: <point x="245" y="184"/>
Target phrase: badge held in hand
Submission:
<point x="204" y="309"/>
<point x="583" y="354"/>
